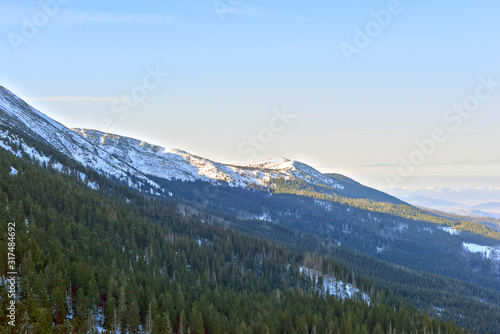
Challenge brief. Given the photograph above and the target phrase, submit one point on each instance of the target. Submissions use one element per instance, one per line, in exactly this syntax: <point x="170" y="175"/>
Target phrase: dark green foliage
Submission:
<point x="302" y="188"/>
<point x="308" y="220"/>
<point x="115" y="253"/>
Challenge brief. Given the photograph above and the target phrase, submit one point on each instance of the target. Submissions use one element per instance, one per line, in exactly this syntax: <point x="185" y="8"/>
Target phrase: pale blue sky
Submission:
<point x="226" y="76"/>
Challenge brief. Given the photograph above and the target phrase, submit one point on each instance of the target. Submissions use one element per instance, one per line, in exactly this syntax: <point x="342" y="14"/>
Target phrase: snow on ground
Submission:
<point x="13" y="171"/>
<point x="7" y="147"/>
<point x="335" y="287"/>
<point x="93" y="185"/>
<point x="19" y="115"/>
<point x="263" y="217"/>
<point x="180" y="165"/>
<point x="119" y="157"/>
<point x="402" y="227"/>
<point x="33" y="154"/>
<point x="287" y="169"/>
<point x="450" y="230"/>
<point x="325" y="205"/>
<point x="81" y="176"/>
<point x="492" y="253"/>
<point x="99" y="321"/>
<point x="57" y="166"/>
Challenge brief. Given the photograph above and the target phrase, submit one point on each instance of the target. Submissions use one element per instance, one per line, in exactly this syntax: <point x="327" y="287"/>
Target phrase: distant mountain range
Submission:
<point x="463" y="196"/>
<point x="491" y="209"/>
<point x="474" y="202"/>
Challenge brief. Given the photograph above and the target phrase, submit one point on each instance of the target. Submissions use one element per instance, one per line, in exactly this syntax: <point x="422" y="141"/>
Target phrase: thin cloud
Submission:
<point x="446" y="165"/>
<point x="16" y="15"/>
<point x="254" y="12"/>
<point x="341" y="134"/>
<point x="476" y="130"/>
<point x="72" y="99"/>
<point x="69" y="17"/>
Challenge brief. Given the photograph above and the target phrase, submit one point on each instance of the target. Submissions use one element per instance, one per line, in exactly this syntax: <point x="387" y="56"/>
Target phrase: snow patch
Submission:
<point x="263" y="217"/>
<point x="13" y="171"/>
<point x="81" y="176"/>
<point x="93" y="185"/>
<point x="57" y="166"/>
<point x="402" y="227"/>
<point x="333" y="286"/>
<point x="492" y="253"/>
<point x="450" y="230"/>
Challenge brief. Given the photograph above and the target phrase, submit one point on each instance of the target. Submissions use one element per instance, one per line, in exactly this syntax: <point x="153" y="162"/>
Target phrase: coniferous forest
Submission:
<point x="114" y="260"/>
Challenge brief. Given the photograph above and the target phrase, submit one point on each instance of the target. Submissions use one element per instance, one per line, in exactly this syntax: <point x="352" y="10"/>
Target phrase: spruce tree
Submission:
<point x="26" y="326"/>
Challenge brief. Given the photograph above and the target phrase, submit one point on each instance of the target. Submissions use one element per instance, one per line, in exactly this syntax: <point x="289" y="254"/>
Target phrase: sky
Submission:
<point x="391" y="93"/>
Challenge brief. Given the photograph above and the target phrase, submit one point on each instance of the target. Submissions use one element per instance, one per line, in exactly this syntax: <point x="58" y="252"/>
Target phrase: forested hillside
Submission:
<point x="112" y="259"/>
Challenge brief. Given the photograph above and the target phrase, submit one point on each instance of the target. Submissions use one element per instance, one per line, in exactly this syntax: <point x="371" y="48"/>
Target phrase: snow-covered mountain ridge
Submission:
<point x="128" y="159"/>
<point x="16" y="116"/>
<point x="180" y="165"/>
<point x="144" y="166"/>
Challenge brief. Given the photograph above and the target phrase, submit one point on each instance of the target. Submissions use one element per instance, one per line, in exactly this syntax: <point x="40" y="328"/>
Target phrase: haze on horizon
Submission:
<point x="381" y="91"/>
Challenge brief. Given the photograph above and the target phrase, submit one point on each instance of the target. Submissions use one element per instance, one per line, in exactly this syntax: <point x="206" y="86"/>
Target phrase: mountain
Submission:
<point x="126" y="159"/>
<point x="174" y="164"/>
<point x="467" y="196"/>
<point x="17" y="115"/>
<point x="180" y="165"/>
<point x="115" y="261"/>
<point x="491" y="209"/>
<point x="416" y="254"/>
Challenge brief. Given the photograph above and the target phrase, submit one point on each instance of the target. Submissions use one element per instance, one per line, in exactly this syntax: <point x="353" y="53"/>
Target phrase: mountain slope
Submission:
<point x="274" y="199"/>
<point x="15" y="114"/>
<point x="122" y="157"/>
<point x="90" y="261"/>
<point x="176" y="164"/>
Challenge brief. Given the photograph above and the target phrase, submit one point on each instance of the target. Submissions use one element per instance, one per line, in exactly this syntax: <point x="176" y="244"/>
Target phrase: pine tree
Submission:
<point x="122" y="311"/>
<point x="70" y="301"/>
<point x="26" y="327"/>
<point x="182" y="323"/>
<point x="134" y="318"/>
<point x="149" y="319"/>
<point x="110" y="311"/>
<point x="93" y="293"/>
<point x="91" y="324"/>
<point x="378" y="329"/>
<point x="302" y="326"/>
<point x="43" y="320"/>
<point x="196" y="322"/>
<point x="115" y="325"/>
<point x="168" y="325"/>
<point x="242" y="328"/>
